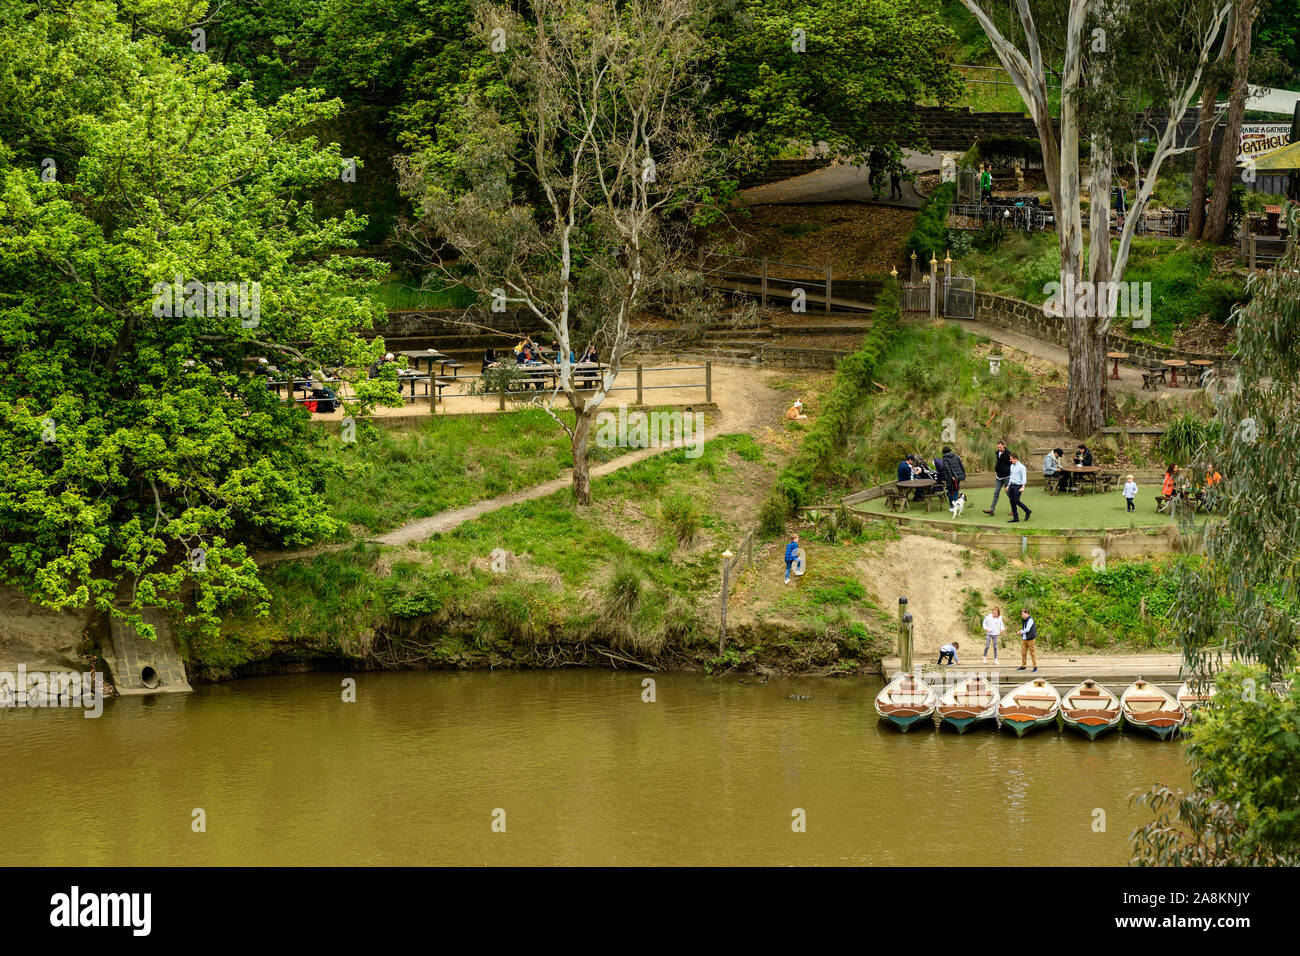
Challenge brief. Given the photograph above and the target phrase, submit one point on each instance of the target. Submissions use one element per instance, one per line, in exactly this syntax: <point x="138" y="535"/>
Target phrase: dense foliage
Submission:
<point x="139" y="456"/>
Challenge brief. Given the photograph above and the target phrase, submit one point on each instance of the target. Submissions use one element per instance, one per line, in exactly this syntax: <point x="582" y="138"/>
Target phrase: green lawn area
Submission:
<point x="387" y="477"/>
<point x="1050" y="512"/>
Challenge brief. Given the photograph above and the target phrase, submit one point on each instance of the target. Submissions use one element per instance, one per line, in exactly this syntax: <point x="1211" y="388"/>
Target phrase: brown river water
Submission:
<point x="584" y="771"/>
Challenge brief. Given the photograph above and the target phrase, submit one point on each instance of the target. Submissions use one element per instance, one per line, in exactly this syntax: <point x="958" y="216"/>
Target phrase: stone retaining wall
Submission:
<point x="780" y="169"/>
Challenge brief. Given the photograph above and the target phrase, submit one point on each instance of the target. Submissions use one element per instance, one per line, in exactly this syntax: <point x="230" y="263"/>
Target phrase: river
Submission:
<point x="586" y="772"/>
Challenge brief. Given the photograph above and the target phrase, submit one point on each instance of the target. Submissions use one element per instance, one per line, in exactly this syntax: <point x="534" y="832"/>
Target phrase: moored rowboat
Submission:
<point x="1031" y="705"/>
<point x="1194" y="693"/>
<point x="970" y="702"/>
<point x="906" y="701"/>
<point x="1090" y="709"/>
<point x="1152" y="709"/>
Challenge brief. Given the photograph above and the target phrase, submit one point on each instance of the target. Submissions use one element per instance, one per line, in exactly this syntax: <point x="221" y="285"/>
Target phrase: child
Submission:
<point x="993" y="628"/>
<point x="791" y="551"/>
<point x="1130" y="490"/>
<point x="949" y="651"/>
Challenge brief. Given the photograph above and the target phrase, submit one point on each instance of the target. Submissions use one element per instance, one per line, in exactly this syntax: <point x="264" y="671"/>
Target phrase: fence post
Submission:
<point x="722" y="629"/>
<point x="708" y="381"/>
<point x="639" y="370"/>
<point x="934" y="278"/>
<point x="1252" y="251"/>
<point x="947" y="279"/>
<point x="501" y="398"/>
<point x="915" y="274"/>
<point x="749" y="544"/>
<point x="828" y="290"/>
<point x="764" y="282"/>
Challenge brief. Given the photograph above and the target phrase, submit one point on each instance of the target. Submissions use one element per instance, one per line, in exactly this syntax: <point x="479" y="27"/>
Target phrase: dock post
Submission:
<point x="722" y="630"/>
<point x="902" y="609"/>
<point x="905" y="637"/>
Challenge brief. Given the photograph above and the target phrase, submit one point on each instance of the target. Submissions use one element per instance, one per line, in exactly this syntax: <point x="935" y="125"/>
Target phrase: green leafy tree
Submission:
<point x="140" y="456"/>
<point x="843" y="72"/>
<point x="1242" y="808"/>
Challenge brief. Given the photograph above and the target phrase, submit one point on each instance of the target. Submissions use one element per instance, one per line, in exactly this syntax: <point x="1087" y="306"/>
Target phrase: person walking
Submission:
<point x="791" y="552"/>
<point x="986" y="184"/>
<point x="949" y="651"/>
<point x="895" y="182"/>
<point x="1001" y="475"/>
<point x="944" y="475"/>
<point x="1130" y="491"/>
<point x="1016" y="487"/>
<point x="1028" y="635"/>
<point x="994" y="627"/>
<point x="956" y="470"/>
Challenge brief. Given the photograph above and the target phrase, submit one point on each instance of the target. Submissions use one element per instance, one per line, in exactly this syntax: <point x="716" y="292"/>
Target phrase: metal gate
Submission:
<point x="959" y="297"/>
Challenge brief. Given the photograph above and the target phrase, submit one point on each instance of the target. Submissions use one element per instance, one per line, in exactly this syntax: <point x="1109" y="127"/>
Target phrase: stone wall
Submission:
<point x="1019" y="316"/>
<point x="780" y="169"/>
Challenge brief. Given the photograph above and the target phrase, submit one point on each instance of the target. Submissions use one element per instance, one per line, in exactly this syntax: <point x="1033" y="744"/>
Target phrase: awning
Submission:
<point x="1288" y="157"/>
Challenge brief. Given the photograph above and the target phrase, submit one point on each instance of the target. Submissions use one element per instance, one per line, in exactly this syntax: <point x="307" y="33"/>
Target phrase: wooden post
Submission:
<point x="749" y="542"/>
<point x="726" y="572"/>
<point x="708" y="382"/>
<point x="764" y="275"/>
<point x="640" y="400"/>
<point x="1252" y="251"/>
<point x="915" y="274"/>
<point x="905" y="637"/>
<point x="501" y="404"/>
<point x="934" y="278"/>
<point x="902" y="609"/>
<point x="828" y="290"/>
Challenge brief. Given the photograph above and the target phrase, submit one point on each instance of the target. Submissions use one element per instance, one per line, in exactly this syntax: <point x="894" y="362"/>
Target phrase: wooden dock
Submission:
<point x="1114" y="670"/>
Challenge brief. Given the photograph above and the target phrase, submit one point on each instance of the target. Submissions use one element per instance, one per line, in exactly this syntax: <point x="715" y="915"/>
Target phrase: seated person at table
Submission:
<point x="375" y="370"/>
<point x="591" y="355"/>
<point x="1082" y="455"/>
<point x="489" y="358"/>
<point x="1052" y="463"/>
<point x="325" y="399"/>
<point x="905" y="468"/>
<point x="555" y="348"/>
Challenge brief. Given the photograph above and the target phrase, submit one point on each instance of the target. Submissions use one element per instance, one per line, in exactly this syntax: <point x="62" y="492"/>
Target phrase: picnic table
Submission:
<point x="433" y="356"/>
<point x="1204" y="365"/>
<point x="1174" y="365"/>
<point x="1079" y="475"/>
<point x="1116" y="356"/>
<point x="925" y="486"/>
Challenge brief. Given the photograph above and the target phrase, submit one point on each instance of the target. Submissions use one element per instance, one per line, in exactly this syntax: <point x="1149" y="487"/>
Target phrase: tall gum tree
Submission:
<point x="570" y="191"/>
<point x="1074" y="35"/>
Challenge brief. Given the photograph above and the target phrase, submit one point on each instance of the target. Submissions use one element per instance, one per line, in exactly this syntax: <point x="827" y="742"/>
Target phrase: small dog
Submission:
<point x="959" y="505"/>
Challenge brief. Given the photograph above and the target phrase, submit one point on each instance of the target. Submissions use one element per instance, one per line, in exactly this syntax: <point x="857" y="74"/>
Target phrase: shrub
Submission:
<point x="681" y="515"/>
<point x="623" y="593"/>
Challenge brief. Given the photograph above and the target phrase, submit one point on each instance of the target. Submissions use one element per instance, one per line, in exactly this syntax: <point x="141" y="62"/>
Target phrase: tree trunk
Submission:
<point x="1216" y="223"/>
<point x="581" y="468"/>
<point x="1201" y="175"/>
<point x="1101" y="260"/>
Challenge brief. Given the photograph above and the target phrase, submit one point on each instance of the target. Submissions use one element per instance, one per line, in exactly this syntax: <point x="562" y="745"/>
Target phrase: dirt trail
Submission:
<point x="933" y="576"/>
<point x="746" y="400"/>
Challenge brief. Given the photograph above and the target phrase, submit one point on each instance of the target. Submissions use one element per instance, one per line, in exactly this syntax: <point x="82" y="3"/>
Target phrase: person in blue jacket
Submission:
<point x="791" y="551"/>
<point x="905" y="468"/>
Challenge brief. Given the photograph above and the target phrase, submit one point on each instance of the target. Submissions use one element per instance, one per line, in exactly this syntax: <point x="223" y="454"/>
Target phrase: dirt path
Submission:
<point x="933" y="575"/>
<point x="746" y="400"/>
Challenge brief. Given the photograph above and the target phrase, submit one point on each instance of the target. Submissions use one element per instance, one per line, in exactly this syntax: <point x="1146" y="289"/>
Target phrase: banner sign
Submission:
<point x="1258" y="138"/>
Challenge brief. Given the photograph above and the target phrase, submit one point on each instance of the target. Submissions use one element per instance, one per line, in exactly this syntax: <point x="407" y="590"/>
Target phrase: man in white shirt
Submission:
<point x="1016" y="485"/>
<point x="994" y="626"/>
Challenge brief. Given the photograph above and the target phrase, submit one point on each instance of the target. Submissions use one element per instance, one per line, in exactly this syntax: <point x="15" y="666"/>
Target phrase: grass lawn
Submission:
<point x="387" y="478"/>
<point x="1050" y="512"/>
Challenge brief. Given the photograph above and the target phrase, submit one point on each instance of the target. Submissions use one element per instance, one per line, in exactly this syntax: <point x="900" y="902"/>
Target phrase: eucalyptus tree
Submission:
<point x="569" y="193"/>
<point x="155" y="238"/>
<point x="1243" y="602"/>
<point x="1076" y="36"/>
